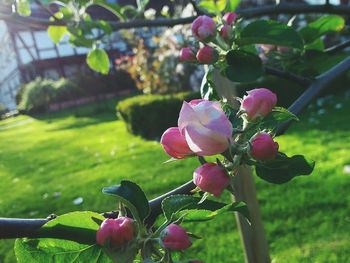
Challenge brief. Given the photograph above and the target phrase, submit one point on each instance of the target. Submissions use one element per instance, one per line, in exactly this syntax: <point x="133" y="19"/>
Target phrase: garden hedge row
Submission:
<point x="150" y="115"/>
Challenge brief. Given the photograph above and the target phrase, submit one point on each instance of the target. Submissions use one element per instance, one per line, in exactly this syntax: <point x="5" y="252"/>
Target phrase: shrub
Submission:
<point x="38" y="94"/>
<point x="3" y="108"/>
<point x="150" y="115"/>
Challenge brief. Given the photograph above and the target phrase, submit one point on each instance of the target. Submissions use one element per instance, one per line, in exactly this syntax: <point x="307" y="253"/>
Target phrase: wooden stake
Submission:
<point x="252" y="236"/>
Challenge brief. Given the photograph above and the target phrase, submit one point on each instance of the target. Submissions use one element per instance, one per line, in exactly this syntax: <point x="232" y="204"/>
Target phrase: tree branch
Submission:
<point x="289" y="76"/>
<point x="283" y="8"/>
<point x="319" y="84"/>
<point x="339" y="47"/>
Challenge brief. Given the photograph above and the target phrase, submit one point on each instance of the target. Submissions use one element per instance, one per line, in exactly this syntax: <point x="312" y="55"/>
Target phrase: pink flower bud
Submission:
<point x="263" y="147"/>
<point x="283" y="49"/>
<point x="207" y="55"/>
<point x="266" y="48"/>
<point x="211" y="178"/>
<point x="205" y="126"/>
<point x="187" y="54"/>
<point x="116" y="231"/>
<point x="258" y="103"/>
<point x="174" y="237"/>
<point x="174" y="143"/>
<point x="226" y="32"/>
<point x="204" y="28"/>
<point x="229" y="18"/>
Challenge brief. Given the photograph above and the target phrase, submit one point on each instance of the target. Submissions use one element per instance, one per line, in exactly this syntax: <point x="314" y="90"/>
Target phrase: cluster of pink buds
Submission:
<point x="205" y="30"/>
<point x="258" y="104"/>
<point x="205" y="130"/>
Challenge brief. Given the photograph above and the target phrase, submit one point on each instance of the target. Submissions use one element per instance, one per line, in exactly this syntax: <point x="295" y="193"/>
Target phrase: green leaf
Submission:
<point x="23" y="7"/>
<point x="284" y="168"/>
<point x="243" y="66"/>
<point x="315" y="45"/>
<point x="201" y="215"/>
<point x="141" y="4"/>
<point x="277" y="116"/>
<point x="231" y="5"/>
<point x="112" y="7"/>
<point x="56" y="33"/>
<point x="270" y="32"/>
<point x="98" y="60"/>
<point x="221" y="5"/>
<point x="323" y="25"/>
<point x="132" y="195"/>
<point x="209" y="6"/>
<point x="208" y="91"/>
<point x="177" y="206"/>
<point x="76" y="226"/>
<point x="69" y="237"/>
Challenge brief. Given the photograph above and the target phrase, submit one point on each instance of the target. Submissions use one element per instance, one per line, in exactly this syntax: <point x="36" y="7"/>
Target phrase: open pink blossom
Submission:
<point x="205" y="126"/>
<point x="174" y="143"/>
<point x="258" y="103"/>
<point x="174" y="237"/>
<point x="204" y="28"/>
<point x="117" y="231"/>
<point x="211" y="178"/>
<point x="263" y="147"/>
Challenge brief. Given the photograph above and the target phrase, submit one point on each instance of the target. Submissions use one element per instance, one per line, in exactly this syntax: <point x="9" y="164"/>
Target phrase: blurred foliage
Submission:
<point x="38" y="94"/>
<point x="154" y="66"/>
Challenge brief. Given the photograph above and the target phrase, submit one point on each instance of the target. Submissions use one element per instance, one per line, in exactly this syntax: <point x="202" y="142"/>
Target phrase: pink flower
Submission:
<point x="187" y="54"/>
<point x="204" y="28"/>
<point x="117" y="231"/>
<point x="258" y="103"/>
<point x="174" y="237"/>
<point x="205" y="126"/>
<point x="211" y="178"/>
<point x="263" y="147"/>
<point x="283" y="49"/>
<point x="229" y="18"/>
<point x="266" y="48"/>
<point x="207" y="55"/>
<point x="226" y="32"/>
<point x="174" y="143"/>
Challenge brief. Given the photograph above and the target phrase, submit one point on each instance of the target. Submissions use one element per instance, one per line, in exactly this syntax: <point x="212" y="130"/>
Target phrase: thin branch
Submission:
<point x="52" y="14"/>
<point x="196" y="8"/>
<point x="287" y="75"/>
<point x="339" y="47"/>
<point x="319" y="84"/>
<point x="165" y="22"/>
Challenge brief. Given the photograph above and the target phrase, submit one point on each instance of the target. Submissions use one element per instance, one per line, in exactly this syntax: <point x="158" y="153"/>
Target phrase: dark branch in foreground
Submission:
<point x="339" y="47"/>
<point x="283" y="8"/>
<point x="286" y="75"/>
<point x="319" y="84"/>
<point x="14" y="227"/>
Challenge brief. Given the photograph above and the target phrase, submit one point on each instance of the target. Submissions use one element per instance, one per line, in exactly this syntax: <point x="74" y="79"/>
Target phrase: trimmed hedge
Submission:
<point x="150" y="115"/>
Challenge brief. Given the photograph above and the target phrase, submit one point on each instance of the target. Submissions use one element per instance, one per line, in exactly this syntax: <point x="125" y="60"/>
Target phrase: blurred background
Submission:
<point x="67" y="131"/>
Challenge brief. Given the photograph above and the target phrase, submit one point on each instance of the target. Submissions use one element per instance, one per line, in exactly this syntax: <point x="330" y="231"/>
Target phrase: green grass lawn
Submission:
<point x="49" y="161"/>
